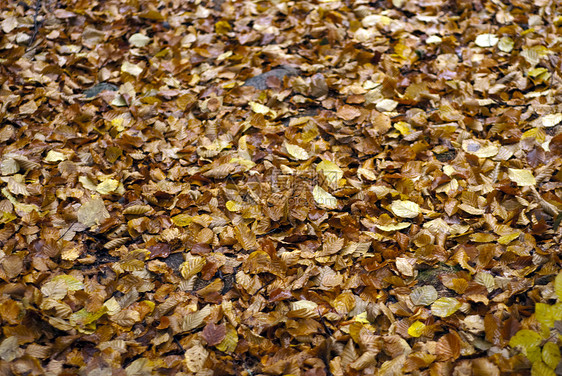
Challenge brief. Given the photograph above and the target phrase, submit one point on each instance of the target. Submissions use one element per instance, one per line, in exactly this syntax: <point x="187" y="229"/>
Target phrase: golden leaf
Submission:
<point x="230" y="341"/>
<point x="192" y="266"/>
<point x="245" y="236"/>
<point x="416" y="329"/>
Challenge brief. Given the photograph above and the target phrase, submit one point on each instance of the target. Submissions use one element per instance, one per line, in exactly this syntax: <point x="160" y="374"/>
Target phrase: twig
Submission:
<point x="67" y="230"/>
<point x="35" y="23"/>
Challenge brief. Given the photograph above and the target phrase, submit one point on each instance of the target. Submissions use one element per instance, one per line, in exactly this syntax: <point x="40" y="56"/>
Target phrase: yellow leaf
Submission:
<point x="521" y="177"/>
<point x="444" y="307"/>
<point x="230" y="340"/>
<point x="434" y="39"/>
<point x="535" y="72"/>
<point x="331" y="171"/>
<point x="486" y="280"/>
<point x="195" y="319"/>
<point x="92" y="212"/>
<point x="506" y="44"/>
<point x="55" y="156"/>
<point x="551" y="354"/>
<point x="405" y="209"/>
<point x="556" y="311"/>
<point x="324" y="199"/>
<point x="539" y="368"/>
<point x="525" y="339"/>
<point x="386" y="105"/>
<point x="261" y="109"/>
<point x="192" y="266"/>
<point x="139" y="40"/>
<point x="394" y="227"/>
<point x="416" y="329"/>
<point x="182" y="220"/>
<point x="558" y="286"/>
<point x="403" y="127"/>
<point x="486" y="40"/>
<point x="233" y="206"/>
<point x="222" y="27"/>
<point x="132" y="69"/>
<point x="117" y="123"/>
<point x="506" y="239"/>
<point x="551" y="120"/>
<point x="362" y="318"/>
<point x="71" y="282"/>
<point x="481" y="149"/>
<point x="107" y="186"/>
<point x="112" y="306"/>
<point x="296" y="152"/>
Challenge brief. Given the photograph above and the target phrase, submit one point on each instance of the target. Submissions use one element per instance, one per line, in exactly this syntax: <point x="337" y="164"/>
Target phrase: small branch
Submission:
<point x="35" y="23"/>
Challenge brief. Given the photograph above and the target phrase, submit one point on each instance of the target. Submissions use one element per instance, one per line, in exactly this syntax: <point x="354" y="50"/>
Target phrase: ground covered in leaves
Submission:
<point x="280" y="187"/>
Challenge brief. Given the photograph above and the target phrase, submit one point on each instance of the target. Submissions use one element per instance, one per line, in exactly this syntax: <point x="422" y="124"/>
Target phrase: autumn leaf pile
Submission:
<point x="280" y="187"/>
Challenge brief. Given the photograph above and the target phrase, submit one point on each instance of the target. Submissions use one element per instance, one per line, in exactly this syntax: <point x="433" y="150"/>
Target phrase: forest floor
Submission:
<point x="280" y="187"/>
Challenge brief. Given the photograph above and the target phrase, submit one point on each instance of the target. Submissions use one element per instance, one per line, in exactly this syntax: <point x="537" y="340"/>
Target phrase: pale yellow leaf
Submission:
<point x="28" y="108"/>
<point x="324" y="199"/>
<point x="404" y="266"/>
<point x="92" y="212"/>
<point x="434" y="39"/>
<point x="195" y="319"/>
<point x="139" y="40"/>
<point x="331" y="171"/>
<point x="107" y="186"/>
<point x="394" y="227"/>
<point x="259" y="108"/>
<point x="296" y="152"/>
<point x="132" y="69"/>
<point x="521" y="177"/>
<point x="405" y="209"/>
<point x="55" y="156"/>
<point x="551" y="120"/>
<point x="506" y="44"/>
<point x="486" y="40"/>
<point x="480" y="149"/>
<point x="87" y="183"/>
<point x="444" y="307"/>
<point x="386" y="105"/>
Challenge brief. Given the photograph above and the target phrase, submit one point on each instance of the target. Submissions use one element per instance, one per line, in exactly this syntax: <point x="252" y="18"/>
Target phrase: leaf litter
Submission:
<point x="306" y="188"/>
